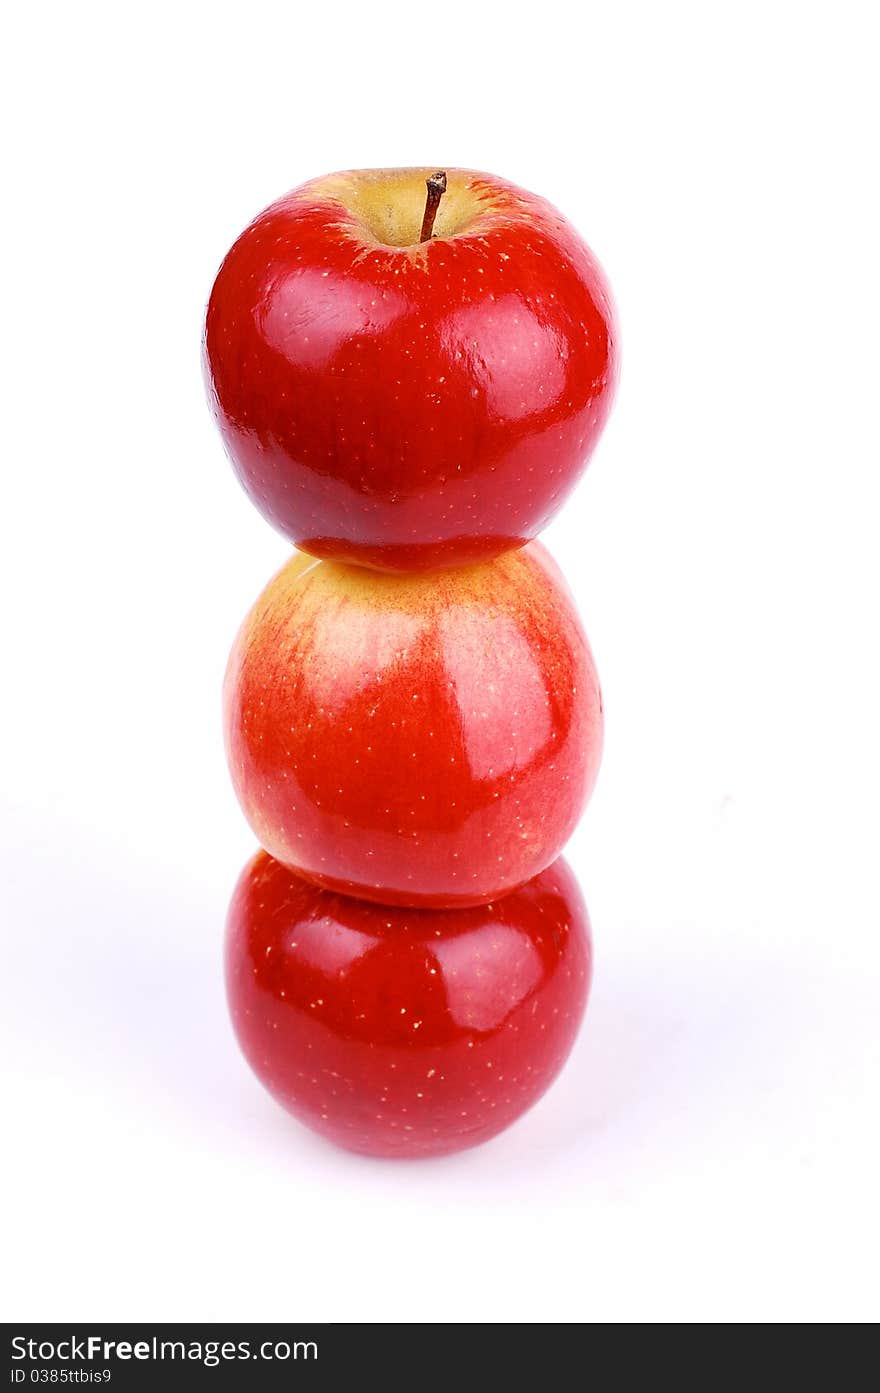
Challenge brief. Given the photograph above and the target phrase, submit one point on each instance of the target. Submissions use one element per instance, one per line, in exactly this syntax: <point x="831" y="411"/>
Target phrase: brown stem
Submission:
<point x="436" y="186"/>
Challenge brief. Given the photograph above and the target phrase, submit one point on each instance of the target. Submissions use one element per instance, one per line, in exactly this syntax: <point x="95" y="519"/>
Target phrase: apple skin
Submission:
<point x="414" y="740"/>
<point x="408" y="405"/>
<point x="405" y="1032"/>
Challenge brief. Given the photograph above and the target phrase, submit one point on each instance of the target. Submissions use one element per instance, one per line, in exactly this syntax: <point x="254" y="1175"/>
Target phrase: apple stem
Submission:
<point x="436" y="186"/>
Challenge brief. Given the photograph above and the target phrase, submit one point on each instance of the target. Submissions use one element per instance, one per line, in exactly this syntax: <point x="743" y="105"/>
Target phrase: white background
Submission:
<point x="711" y="1152"/>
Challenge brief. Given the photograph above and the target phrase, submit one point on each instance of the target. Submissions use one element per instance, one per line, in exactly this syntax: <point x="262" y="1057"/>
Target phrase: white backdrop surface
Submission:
<point x="712" y="1149"/>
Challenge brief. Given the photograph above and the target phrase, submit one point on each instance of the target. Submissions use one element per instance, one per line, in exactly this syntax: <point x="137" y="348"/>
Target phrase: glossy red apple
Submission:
<point x="409" y="404"/>
<point x="422" y="739"/>
<point x="405" y="1032"/>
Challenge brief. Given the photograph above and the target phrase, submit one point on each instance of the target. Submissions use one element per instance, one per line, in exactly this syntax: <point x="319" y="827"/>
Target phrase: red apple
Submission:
<point x="405" y="1032"/>
<point x="409" y="404"/>
<point x="419" y="739"/>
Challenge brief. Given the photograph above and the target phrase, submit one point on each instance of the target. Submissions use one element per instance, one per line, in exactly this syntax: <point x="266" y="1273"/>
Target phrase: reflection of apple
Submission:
<point x="414" y="739"/>
<point x="405" y="403"/>
<point x="405" y="1032"/>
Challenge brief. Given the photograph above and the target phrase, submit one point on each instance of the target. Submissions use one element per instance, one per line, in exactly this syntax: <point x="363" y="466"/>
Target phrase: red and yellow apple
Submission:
<point x="405" y="1032"/>
<point x="414" y="739"/>
<point x="401" y="403"/>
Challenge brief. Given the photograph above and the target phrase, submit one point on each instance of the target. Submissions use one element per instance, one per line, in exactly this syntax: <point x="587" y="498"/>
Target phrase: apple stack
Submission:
<point x="409" y="371"/>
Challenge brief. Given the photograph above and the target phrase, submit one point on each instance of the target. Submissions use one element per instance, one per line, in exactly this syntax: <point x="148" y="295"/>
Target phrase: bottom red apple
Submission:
<point x="405" y="1032"/>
